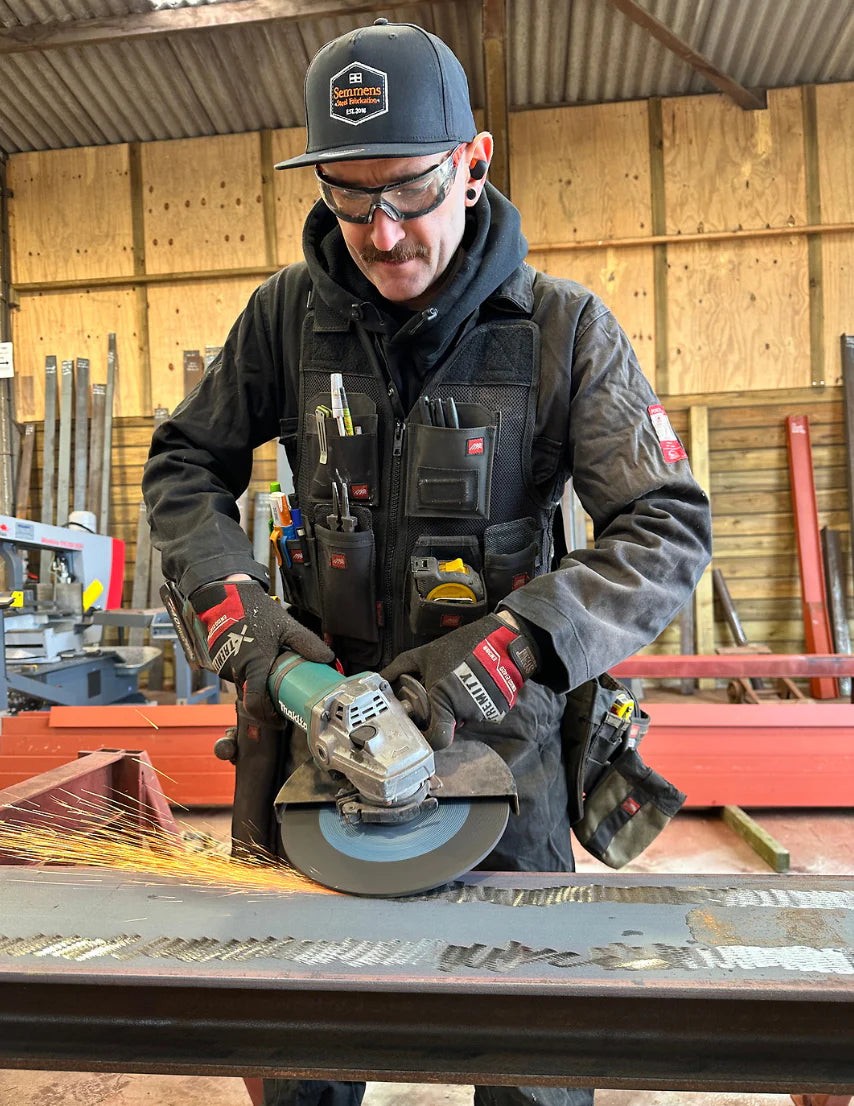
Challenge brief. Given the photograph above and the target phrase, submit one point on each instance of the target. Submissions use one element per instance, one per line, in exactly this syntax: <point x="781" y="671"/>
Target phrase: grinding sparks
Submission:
<point x="102" y="833"/>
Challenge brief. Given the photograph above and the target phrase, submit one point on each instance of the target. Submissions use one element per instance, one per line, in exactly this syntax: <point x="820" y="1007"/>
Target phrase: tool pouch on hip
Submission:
<point x="617" y="804"/>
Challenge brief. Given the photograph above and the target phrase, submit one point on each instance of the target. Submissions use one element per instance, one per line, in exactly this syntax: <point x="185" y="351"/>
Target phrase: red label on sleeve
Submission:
<point x="359" y="491"/>
<point x="338" y="560"/>
<point x="671" y="447"/>
<point x="474" y="445"/>
<point x="630" y="806"/>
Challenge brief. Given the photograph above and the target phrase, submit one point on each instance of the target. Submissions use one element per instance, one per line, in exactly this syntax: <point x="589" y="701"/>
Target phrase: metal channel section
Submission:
<point x="742" y="983"/>
<point x="667" y="666"/>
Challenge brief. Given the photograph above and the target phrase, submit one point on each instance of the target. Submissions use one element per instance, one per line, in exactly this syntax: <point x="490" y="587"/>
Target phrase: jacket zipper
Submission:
<point x="394" y="615"/>
<point x="391" y="617"/>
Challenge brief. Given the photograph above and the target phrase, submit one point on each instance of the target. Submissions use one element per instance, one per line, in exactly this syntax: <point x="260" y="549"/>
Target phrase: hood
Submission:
<point x="493" y="247"/>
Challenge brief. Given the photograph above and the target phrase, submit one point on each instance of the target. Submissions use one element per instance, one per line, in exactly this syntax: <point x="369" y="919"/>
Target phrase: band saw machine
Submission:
<point x="52" y="627"/>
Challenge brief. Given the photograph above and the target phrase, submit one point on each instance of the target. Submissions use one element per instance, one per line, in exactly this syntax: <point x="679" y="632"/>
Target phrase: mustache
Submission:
<point x="402" y="251"/>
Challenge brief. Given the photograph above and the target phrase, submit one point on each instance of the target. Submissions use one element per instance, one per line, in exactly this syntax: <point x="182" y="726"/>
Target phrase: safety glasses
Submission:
<point x="404" y="199"/>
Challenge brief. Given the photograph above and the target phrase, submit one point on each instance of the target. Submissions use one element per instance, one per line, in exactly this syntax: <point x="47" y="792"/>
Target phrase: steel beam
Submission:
<point x="91" y="793"/>
<point x="797" y="754"/>
<point x="734" y="665"/>
<point x="816" y="621"/>
<point x="741" y="983"/>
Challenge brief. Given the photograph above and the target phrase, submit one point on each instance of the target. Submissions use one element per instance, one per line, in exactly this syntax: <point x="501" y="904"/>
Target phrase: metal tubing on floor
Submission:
<point x="739" y="983"/>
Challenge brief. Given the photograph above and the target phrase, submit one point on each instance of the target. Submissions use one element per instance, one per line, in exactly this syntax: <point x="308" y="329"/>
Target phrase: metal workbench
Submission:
<point x="714" y="982"/>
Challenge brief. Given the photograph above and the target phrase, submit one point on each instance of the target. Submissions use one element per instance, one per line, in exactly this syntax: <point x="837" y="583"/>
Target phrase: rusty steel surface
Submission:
<point x="727" y="982"/>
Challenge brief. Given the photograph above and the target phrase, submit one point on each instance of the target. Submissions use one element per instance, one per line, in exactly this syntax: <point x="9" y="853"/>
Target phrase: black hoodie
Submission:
<point x="411" y="343"/>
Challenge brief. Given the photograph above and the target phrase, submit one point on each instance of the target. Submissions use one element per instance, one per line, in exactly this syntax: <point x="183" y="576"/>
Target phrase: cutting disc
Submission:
<point x="385" y="861"/>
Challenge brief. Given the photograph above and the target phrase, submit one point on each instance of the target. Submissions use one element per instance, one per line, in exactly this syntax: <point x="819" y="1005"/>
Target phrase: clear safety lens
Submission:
<point x="406" y="199"/>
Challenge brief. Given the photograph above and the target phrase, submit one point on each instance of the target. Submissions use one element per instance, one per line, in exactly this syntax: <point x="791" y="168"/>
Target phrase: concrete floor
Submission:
<point x="696" y="842"/>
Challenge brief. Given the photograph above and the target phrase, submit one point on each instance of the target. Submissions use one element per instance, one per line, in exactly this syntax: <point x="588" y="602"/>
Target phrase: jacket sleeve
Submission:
<point x="651" y="520"/>
<point x="200" y="459"/>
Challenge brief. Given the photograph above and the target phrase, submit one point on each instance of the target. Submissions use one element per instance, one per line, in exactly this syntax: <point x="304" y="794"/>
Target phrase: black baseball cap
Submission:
<point x="388" y="90"/>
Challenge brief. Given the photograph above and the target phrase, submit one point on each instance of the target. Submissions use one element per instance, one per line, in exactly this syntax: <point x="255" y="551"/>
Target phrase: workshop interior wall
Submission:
<point x="162" y="243"/>
<point x="746" y="457"/>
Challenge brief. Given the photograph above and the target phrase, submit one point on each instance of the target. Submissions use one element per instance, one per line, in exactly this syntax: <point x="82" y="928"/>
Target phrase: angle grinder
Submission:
<point x="374" y="810"/>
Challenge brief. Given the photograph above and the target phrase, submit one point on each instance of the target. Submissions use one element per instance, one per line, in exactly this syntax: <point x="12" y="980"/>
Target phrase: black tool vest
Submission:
<point x="415" y="490"/>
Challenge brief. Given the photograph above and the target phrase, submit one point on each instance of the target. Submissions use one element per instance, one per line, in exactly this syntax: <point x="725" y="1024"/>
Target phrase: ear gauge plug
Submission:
<point x="477" y="169"/>
<point x="471" y="194"/>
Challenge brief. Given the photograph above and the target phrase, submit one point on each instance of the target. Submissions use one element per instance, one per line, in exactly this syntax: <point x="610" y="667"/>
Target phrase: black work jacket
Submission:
<point x="548" y="387"/>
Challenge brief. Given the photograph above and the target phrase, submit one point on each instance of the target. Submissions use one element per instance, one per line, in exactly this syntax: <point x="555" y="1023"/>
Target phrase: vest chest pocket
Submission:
<point x="354" y="456"/>
<point x="449" y="469"/>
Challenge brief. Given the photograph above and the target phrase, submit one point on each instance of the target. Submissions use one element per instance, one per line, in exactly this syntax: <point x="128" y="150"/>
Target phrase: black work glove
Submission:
<point x="247" y="631"/>
<point x="472" y="674"/>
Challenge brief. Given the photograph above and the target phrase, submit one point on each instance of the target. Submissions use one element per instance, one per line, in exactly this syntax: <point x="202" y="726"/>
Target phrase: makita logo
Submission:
<point x="230" y="647"/>
<point x="292" y="714"/>
<point x="338" y="560"/>
<point x="359" y="491"/>
<point x="477" y="691"/>
<point x="474" y="445"/>
<point x="630" y="806"/>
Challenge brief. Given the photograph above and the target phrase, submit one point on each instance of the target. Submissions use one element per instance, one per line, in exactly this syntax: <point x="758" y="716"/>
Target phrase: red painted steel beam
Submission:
<point x="179" y="740"/>
<point x="796" y="754"/>
<point x="804" y="506"/>
<point x="96" y="789"/>
<point x="734" y="666"/>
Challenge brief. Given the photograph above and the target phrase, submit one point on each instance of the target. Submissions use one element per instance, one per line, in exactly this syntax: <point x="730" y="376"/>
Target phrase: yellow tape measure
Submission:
<point x="453" y="589"/>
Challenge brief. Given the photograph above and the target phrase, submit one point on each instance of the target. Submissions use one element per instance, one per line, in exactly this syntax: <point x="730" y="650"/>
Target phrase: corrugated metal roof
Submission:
<point x="248" y="77"/>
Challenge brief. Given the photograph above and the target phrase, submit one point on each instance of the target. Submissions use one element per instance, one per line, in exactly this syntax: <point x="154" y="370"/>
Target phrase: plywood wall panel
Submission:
<point x="70" y="214"/>
<point x="70" y="325"/>
<point x="757" y="459"/>
<point x="726" y="168"/>
<point x="835" y="126"/>
<point x="582" y="173"/>
<point x="624" y="280"/>
<point x="837" y="254"/>
<point x="189" y="315"/>
<point x="203" y="204"/>
<point x="738" y="315"/>
<point x="295" y="191"/>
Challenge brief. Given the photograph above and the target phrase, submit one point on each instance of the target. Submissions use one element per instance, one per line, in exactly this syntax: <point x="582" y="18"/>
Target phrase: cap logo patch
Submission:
<point x="359" y="92"/>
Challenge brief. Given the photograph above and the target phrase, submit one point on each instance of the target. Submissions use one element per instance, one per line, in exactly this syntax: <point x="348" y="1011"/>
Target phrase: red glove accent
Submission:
<point x="247" y="631"/>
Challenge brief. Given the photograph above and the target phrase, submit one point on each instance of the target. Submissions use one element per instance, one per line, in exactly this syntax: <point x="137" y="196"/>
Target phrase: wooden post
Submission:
<point x="704" y="610"/>
<point x="495" y="80"/>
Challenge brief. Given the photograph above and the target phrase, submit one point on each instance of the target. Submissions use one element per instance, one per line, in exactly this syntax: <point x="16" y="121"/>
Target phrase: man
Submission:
<point x="476" y="386"/>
